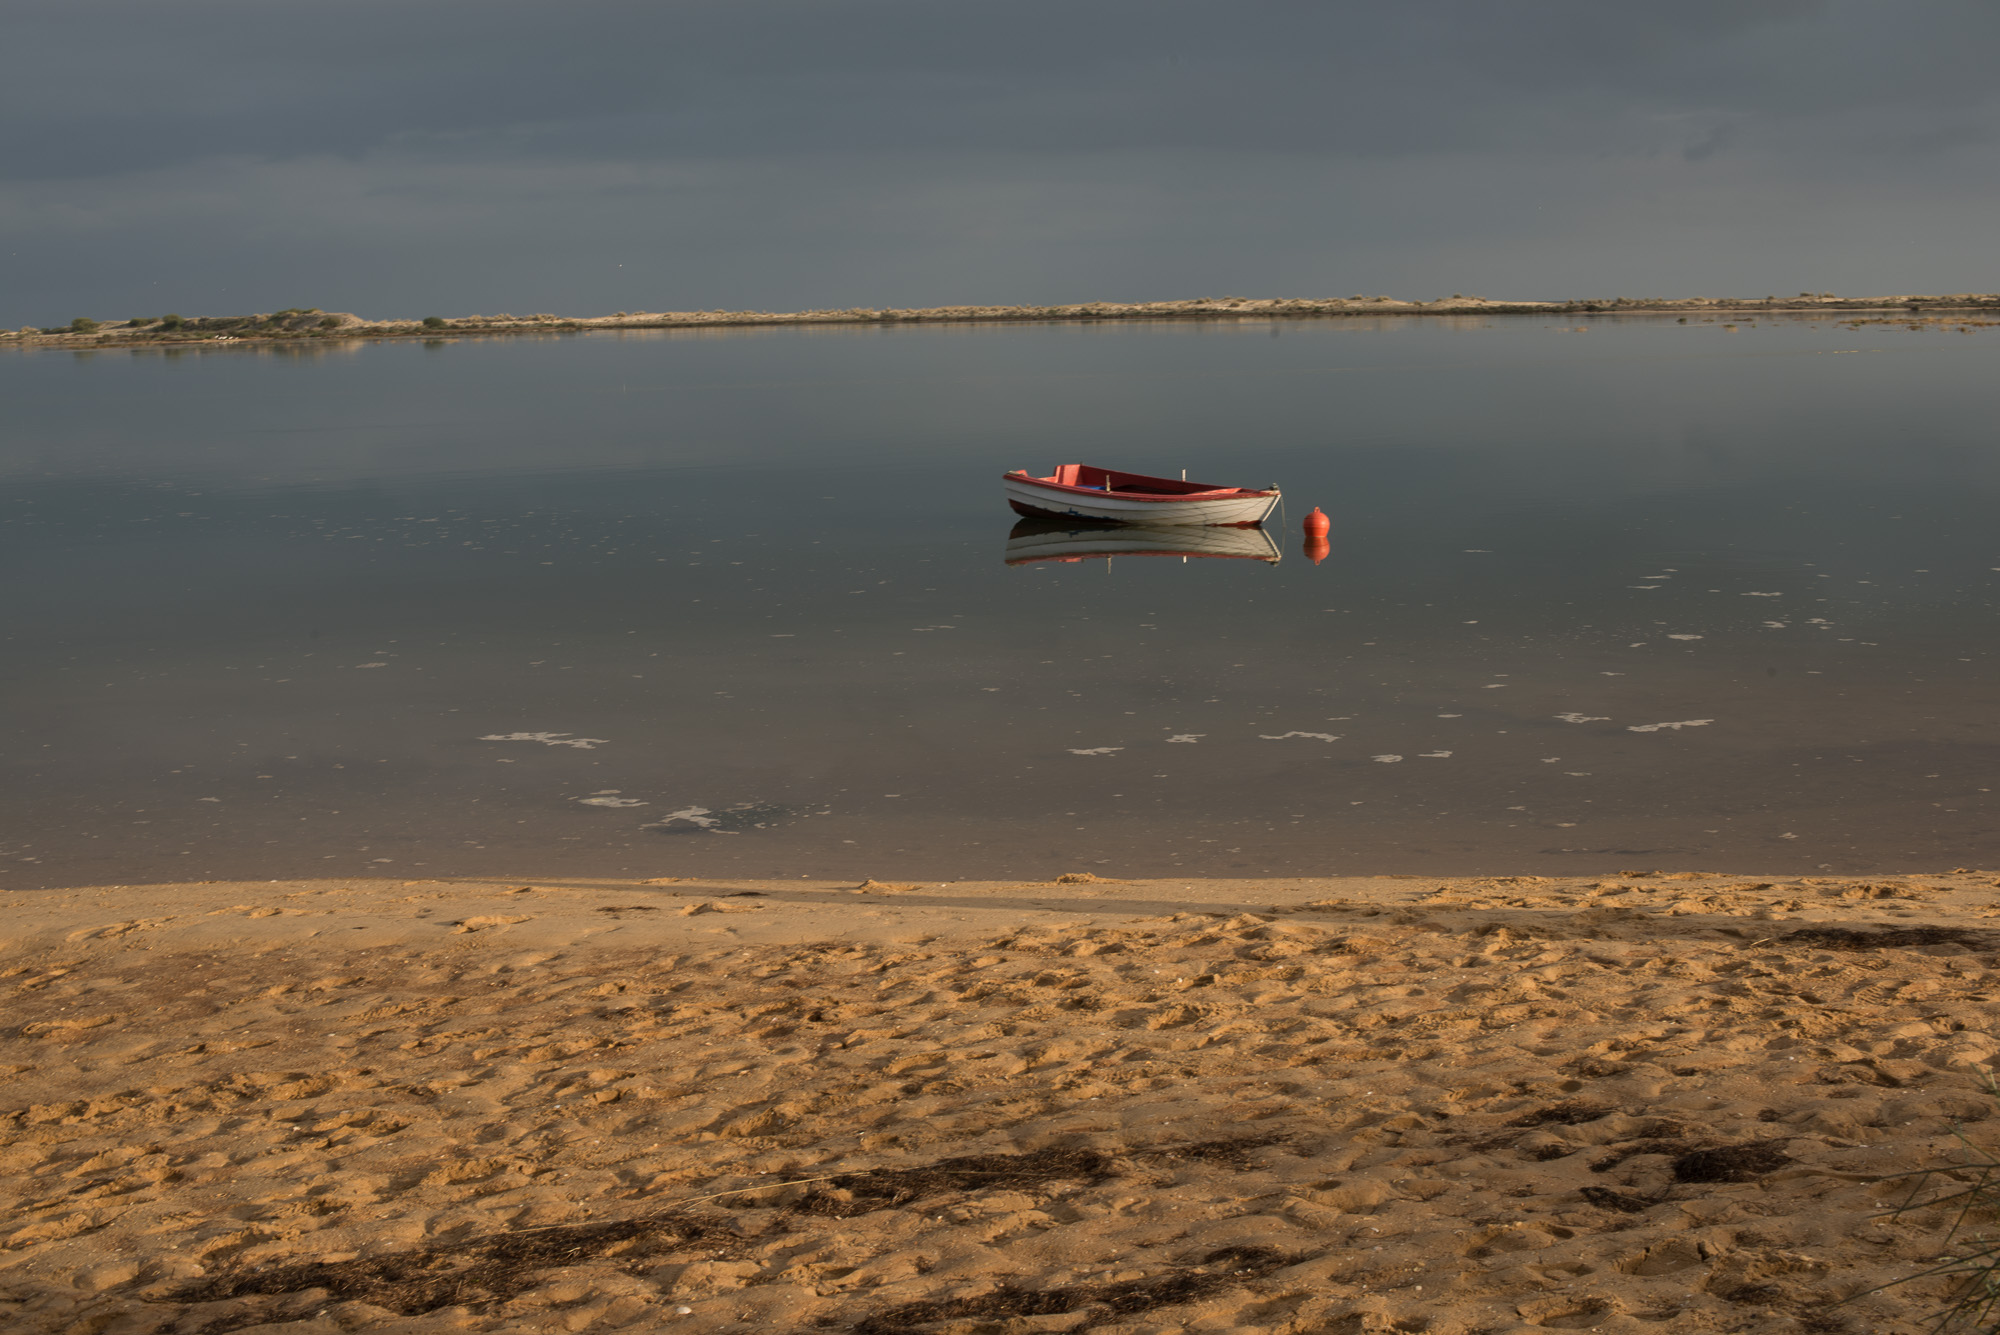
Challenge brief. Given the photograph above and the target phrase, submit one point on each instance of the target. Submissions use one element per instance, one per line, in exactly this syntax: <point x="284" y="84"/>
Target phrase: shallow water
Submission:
<point x="1650" y="595"/>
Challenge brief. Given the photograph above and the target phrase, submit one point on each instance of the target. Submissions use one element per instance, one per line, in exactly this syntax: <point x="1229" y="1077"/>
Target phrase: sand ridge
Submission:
<point x="1646" y="1102"/>
<point x="298" y="326"/>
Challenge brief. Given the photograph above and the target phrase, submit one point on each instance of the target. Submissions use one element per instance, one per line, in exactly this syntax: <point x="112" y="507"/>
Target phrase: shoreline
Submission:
<point x="317" y="326"/>
<point x="1661" y="1102"/>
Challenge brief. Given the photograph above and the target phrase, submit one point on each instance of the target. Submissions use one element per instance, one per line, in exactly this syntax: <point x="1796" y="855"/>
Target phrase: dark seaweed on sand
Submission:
<point x="1632" y="1149"/>
<point x="1891" y="938"/>
<point x="1570" y="1112"/>
<point x="501" y="1266"/>
<point x="483" y="1270"/>
<point x="1232" y="1153"/>
<point x="864" y="1192"/>
<point x="1216" y="1272"/>
<point x="873" y="1189"/>
<point x="1607" y="1199"/>
<point x="1696" y="1163"/>
<point x="1732" y="1163"/>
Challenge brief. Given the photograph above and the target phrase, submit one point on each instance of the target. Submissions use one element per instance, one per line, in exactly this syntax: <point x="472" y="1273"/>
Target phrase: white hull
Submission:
<point x="1066" y="502"/>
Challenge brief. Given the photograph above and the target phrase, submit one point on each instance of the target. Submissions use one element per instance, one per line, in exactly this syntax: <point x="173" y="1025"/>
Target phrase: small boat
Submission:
<point x="1106" y="496"/>
<point x="1067" y="540"/>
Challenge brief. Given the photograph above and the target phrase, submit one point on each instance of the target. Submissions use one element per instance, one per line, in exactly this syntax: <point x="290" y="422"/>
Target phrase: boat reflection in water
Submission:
<point x="1055" y="540"/>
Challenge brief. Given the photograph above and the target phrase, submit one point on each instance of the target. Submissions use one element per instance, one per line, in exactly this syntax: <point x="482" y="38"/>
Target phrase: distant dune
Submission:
<point x="299" y="323"/>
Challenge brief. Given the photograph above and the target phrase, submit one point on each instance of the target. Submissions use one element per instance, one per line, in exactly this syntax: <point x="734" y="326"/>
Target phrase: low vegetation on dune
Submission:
<point x="293" y="322"/>
<point x="300" y="322"/>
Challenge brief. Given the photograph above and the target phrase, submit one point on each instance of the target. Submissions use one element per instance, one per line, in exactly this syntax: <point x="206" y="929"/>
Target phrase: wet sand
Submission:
<point x="1645" y="1102"/>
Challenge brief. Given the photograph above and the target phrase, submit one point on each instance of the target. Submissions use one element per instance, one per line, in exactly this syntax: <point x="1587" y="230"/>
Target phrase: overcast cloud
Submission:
<point x="407" y="157"/>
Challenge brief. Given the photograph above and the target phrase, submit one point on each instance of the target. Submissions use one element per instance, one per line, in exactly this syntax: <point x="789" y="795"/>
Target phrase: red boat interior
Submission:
<point x="1093" y="478"/>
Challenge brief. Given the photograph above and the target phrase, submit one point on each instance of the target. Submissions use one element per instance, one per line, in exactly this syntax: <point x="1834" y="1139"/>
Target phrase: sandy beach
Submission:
<point x="1646" y="1102"/>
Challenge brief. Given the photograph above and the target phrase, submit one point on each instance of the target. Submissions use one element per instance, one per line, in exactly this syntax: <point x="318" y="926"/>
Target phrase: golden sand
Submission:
<point x="1641" y="1103"/>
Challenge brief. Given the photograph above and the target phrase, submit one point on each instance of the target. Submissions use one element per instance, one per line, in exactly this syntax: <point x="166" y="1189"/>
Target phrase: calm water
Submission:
<point x="1649" y="595"/>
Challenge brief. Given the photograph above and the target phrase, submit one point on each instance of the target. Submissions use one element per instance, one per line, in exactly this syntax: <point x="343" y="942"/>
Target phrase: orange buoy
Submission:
<point x="1318" y="549"/>
<point x="1317" y="524"/>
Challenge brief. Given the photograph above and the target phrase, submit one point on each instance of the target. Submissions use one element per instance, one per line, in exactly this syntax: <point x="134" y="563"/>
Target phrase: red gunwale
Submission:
<point x="1088" y="480"/>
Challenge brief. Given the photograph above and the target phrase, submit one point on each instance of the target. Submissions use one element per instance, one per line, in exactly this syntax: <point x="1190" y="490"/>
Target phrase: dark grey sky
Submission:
<point x="406" y="157"/>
